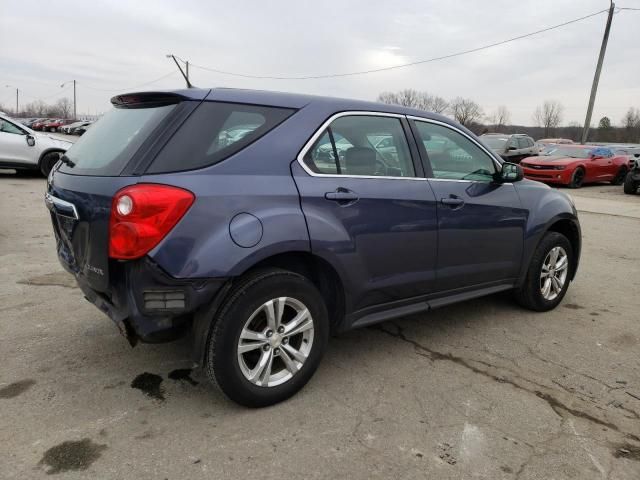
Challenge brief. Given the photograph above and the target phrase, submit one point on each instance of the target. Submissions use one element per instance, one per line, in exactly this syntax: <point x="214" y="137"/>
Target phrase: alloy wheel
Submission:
<point x="554" y="273"/>
<point x="275" y="342"/>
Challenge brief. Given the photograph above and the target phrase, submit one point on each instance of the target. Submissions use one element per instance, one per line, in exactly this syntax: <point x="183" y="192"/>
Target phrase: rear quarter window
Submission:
<point x="216" y="131"/>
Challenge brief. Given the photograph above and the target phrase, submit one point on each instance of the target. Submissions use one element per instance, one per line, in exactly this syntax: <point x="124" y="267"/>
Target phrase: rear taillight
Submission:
<point x="142" y="215"/>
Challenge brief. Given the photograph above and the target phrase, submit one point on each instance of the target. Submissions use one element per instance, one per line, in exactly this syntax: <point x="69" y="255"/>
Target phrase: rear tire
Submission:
<point x="630" y="186"/>
<point x="243" y="324"/>
<point x="48" y="161"/>
<point x="577" y="178"/>
<point x="532" y="294"/>
<point x="620" y="176"/>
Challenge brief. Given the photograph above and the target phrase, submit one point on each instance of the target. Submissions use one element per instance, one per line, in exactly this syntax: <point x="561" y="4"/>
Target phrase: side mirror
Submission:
<point x="596" y="157"/>
<point x="511" y="148"/>
<point x="511" y="172"/>
<point x="31" y="141"/>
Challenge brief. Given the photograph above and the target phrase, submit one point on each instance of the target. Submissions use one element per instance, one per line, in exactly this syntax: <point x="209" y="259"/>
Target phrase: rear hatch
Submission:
<point x="108" y="157"/>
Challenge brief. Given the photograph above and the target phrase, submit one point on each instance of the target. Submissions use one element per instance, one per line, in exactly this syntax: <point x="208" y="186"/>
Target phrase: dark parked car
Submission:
<point x="511" y="148"/>
<point x="262" y="244"/>
<point x="632" y="180"/>
<point x="81" y="130"/>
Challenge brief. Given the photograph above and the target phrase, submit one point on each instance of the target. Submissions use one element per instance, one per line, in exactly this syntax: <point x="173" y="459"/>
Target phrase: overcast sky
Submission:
<point x="110" y="47"/>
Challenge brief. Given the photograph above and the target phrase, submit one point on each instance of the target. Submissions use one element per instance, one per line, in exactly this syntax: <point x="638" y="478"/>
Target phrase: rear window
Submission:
<point x="106" y="147"/>
<point x="216" y="131"/>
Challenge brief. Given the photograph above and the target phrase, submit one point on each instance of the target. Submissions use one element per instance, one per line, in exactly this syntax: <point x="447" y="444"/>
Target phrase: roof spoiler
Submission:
<point x="146" y="99"/>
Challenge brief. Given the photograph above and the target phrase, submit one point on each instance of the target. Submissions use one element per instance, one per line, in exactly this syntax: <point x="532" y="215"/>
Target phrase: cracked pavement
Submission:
<point x="482" y="389"/>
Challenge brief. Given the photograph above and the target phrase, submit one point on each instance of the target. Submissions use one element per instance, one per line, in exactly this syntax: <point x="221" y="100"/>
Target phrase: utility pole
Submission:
<point x="184" y="75"/>
<point x="74" y="97"/>
<point x="596" y="77"/>
<point x="75" y="117"/>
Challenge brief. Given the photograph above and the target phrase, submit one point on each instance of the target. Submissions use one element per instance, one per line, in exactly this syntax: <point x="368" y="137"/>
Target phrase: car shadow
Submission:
<point x="170" y="366"/>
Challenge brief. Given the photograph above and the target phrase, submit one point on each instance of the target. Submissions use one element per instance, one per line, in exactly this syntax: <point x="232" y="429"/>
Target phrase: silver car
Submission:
<point x="512" y="148"/>
<point x="25" y="150"/>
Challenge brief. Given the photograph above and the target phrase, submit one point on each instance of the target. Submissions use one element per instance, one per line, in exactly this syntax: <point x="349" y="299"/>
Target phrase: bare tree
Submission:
<point x="500" y="118"/>
<point x="64" y="107"/>
<point x="434" y="103"/>
<point x="415" y="99"/>
<point x="465" y="111"/>
<point x="631" y="124"/>
<point x="548" y="116"/>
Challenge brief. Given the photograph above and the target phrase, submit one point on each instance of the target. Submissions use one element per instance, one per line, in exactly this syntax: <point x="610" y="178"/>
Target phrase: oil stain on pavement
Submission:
<point x="71" y="455"/>
<point x="150" y="384"/>
<point x="16" y="388"/>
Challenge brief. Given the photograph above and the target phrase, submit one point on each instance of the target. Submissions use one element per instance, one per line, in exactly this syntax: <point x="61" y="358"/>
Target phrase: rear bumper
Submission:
<point x="148" y="305"/>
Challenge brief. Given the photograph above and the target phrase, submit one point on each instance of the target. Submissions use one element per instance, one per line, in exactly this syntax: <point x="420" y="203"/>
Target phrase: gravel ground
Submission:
<point x="482" y="389"/>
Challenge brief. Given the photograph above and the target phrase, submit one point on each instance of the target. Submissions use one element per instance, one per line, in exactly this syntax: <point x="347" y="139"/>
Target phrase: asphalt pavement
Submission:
<point x="482" y="389"/>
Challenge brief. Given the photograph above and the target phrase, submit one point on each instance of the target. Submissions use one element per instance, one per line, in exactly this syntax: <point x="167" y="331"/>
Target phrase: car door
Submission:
<point x="13" y="144"/>
<point x="481" y="222"/>
<point x="600" y="165"/>
<point x="370" y="214"/>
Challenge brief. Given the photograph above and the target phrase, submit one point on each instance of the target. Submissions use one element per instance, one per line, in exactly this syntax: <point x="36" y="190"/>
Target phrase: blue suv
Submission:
<point x="261" y="223"/>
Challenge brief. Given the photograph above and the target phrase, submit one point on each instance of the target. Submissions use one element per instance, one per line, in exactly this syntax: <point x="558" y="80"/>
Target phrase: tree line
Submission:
<point x="547" y="118"/>
<point x="63" y="108"/>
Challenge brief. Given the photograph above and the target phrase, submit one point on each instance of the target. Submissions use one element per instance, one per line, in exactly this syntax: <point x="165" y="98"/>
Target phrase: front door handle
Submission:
<point x="341" y="196"/>
<point x="453" y="202"/>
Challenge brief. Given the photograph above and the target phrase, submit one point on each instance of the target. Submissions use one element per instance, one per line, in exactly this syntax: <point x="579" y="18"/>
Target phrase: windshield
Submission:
<point x="495" y="142"/>
<point x="106" y="148"/>
<point x="559" y="151"/>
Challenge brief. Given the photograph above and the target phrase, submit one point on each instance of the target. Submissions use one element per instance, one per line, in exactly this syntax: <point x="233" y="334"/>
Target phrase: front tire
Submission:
<point x="577" y="178"/>
<point x="549" y="274"/>
<point x="268" y="339"/>
<point x="48" y="161"/>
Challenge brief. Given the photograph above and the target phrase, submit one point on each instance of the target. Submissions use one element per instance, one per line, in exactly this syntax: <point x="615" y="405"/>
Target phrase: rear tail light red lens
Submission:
<point x="142" y="215"/>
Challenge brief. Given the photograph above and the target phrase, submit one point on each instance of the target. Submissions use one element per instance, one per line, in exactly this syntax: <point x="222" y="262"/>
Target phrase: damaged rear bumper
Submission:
<point x="147" y="304"/>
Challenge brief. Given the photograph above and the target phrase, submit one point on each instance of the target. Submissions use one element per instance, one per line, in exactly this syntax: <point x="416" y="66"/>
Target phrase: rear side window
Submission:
<point x="362" y="145"/>
<point x="107" y="147"/>
<point x="216" y="131"/>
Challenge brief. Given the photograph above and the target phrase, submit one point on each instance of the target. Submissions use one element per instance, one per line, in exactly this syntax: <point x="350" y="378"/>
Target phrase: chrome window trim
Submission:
<point x="51" y="202"/>
<point x="451" y="127"/>
<point x="322" y="129"/>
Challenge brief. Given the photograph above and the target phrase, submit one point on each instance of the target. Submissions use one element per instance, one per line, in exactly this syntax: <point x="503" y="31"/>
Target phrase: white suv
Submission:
<point x="25" y="150"/>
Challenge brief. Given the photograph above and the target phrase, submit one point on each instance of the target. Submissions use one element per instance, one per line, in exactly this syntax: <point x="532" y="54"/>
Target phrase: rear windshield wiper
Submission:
<point x="66" y="160"/>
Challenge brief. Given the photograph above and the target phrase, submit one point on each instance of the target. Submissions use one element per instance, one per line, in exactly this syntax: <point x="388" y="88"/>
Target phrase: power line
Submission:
<point x="129" y="88"/>
<point x="405" y="65"/>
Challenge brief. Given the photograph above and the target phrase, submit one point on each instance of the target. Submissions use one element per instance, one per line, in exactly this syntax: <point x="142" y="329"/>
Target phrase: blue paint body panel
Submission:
<point x="393" y="246"/>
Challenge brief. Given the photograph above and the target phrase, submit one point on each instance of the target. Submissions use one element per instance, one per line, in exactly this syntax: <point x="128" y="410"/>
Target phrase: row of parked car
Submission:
<point x="62" y="125"/>
<point x="560" y="161"/>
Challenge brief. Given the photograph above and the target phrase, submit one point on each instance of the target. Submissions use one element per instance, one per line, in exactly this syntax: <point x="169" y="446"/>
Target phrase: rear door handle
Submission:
<point x="452" y="201"/>
<point x="341" y="196"/>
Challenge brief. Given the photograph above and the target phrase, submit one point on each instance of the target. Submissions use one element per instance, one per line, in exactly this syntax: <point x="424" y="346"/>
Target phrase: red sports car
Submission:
<point x="573" y="165"/>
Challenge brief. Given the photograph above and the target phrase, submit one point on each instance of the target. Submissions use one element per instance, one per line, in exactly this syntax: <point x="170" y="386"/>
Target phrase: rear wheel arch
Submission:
<point x="46" y="152"/>
<point x="320" y="272"/>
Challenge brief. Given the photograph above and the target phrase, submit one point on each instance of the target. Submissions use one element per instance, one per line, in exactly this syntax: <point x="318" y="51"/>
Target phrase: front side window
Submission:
<point x="453" y="156"/>
<point x="362" y="145"/>
<point x="523" y="142"/>
<point x="8" y="127"/>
